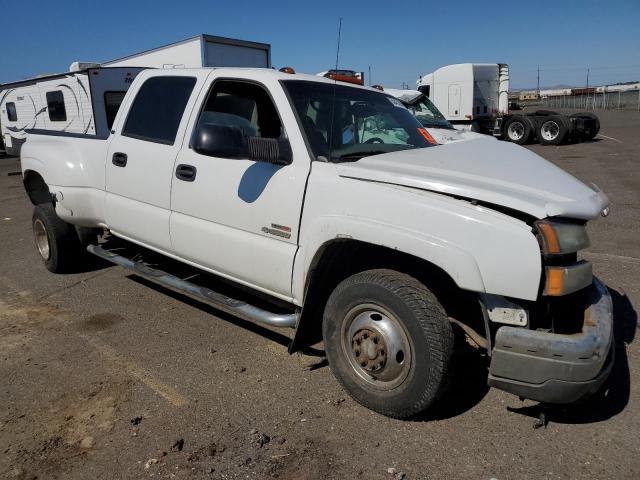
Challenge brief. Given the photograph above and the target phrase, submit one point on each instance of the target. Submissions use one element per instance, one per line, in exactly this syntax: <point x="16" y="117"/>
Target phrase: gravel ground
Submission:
<point x="105" y="376"/>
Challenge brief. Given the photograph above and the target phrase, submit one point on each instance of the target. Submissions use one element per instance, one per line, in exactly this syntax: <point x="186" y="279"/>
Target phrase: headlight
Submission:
<point x="557" y="237"/>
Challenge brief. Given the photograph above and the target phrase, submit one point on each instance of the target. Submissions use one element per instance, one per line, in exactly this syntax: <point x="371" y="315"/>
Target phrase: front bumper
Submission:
<point x="557" y="368"/>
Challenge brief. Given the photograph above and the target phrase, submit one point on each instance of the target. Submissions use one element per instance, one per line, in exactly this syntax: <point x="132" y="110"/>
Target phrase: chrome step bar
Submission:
<point x="230" y="305"/>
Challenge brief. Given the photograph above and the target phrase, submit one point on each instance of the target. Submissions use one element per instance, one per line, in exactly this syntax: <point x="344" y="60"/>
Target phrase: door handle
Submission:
<point x="119" y="159"/>
<point x="186" y="172"/>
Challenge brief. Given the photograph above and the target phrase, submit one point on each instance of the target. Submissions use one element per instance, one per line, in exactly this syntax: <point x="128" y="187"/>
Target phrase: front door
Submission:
<point x="140" y="160"/>
<point x="237" y="217"/>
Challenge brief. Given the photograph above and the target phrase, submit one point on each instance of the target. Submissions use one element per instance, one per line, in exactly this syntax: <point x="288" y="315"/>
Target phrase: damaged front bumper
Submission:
<point x="557" y="368"/>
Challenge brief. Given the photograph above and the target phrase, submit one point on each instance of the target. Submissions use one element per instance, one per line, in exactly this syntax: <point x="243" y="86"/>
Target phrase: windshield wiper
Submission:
<point x="358" y="155"/>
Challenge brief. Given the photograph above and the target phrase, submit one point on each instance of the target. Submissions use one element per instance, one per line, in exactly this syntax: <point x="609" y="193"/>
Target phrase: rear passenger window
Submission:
<point x="158" y="108"/>
<point x="244" y="105"/>
<point x="12" y="115"/>
<point x="55" y="106"/>
<point x="112" y="102"/>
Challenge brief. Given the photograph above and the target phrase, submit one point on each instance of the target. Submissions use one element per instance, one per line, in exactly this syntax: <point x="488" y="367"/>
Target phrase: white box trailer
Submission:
<point x="200" y="51"/>
<point x="79" y="102"/>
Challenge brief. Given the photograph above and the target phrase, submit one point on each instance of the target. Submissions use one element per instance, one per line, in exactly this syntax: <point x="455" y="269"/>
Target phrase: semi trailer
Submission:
<point x="475" y="96"/>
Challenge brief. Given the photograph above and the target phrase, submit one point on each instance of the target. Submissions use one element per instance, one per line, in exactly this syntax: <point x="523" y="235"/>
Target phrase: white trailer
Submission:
<point x="81" y="102"/>
<point x="200" y="51"/>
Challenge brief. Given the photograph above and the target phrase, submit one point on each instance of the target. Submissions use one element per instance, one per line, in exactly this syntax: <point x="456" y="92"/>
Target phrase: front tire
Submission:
<point x="389" y="342"/>
<point x="57" y="241"/>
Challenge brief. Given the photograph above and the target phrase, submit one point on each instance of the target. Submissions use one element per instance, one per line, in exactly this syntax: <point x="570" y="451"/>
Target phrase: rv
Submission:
<point x="85" y="100"/>
<point x="79" y="102"/>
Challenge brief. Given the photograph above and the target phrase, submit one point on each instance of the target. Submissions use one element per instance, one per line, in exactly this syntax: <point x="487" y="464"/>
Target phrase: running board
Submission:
<point x="230" y="305"/>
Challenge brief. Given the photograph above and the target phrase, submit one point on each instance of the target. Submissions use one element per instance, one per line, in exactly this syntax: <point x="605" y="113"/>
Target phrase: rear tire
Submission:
<point x="518" y="129"/>
<point x="57" y="241"/>
<point x="389" y="342"/>
<point x="554" y="130"/>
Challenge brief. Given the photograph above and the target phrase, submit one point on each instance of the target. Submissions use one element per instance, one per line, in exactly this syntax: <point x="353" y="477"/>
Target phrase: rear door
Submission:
<point x="139" y="165"/>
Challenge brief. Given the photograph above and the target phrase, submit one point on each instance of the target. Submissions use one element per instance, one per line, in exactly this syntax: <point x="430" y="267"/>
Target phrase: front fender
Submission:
<point x="459" y="264"/>
<point x="481" y="249"/>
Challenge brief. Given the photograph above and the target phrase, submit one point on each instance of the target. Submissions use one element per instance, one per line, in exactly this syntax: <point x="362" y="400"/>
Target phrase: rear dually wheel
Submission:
<point x="57" y="241"/>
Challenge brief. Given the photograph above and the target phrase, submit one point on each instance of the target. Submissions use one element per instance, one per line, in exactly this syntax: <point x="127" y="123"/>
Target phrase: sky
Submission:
<point x="398" y="40"/>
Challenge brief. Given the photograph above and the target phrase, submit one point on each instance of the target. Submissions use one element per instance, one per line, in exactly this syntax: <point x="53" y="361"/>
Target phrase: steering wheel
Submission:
<point x="374" y="140"/>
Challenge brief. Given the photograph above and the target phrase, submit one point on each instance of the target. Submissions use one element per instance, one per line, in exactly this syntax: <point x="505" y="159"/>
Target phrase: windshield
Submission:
<point x="428" y="115"/>
<point x="344" y="123"/>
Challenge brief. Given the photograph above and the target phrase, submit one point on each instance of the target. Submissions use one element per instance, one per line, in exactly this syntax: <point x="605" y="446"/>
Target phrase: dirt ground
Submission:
<point x="104" y="376"/>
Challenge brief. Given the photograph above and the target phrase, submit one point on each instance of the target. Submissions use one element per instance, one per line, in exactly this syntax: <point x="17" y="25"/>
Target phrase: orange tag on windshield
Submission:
<point x="427" y="136"/>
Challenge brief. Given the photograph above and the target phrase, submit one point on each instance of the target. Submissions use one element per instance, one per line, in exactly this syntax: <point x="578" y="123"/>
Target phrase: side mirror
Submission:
<point x="270" y="150"/>
<point x="230" y="142"/>
<point x="220" y="141"/>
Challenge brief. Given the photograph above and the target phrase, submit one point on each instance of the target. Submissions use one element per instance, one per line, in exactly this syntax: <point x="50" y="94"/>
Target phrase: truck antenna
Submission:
<point x="335" y="85"/>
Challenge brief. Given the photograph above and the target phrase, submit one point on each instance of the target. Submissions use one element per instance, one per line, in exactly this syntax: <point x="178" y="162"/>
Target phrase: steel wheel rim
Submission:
<point x="550" y="130"/>
<point x="516" y="130"/>
<point x="42" y="239"/>
<point x="377" y="346"/>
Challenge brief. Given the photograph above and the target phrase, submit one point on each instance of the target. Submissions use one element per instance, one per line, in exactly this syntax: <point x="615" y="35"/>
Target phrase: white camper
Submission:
<point x="86" y="99"/>
<point x="63" y="103"/>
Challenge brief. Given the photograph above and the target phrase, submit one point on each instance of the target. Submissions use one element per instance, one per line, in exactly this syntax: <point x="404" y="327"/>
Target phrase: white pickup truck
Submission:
<point x="283" y="185"/>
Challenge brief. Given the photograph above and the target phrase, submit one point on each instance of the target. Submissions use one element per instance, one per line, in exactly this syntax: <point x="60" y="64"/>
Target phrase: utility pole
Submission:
<point x="369" y="75"/>
<point x="588" y="78"/>
<point x="538" y="87"/>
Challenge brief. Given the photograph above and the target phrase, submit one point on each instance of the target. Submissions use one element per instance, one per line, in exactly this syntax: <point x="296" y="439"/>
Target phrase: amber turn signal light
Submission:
<point x="427" y="136"/>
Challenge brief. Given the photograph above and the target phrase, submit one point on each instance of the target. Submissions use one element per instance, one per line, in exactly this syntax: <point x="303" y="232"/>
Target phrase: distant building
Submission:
<point x="529" y="95"/>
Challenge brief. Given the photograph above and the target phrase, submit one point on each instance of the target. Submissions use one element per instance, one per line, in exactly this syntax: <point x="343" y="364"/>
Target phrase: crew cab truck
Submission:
<point x="326" y="204"/>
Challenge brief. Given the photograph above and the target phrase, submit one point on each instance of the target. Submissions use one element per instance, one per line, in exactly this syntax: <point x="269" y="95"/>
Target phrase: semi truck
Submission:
<point x="475" y="96"/>
<point x="300" y="202"/>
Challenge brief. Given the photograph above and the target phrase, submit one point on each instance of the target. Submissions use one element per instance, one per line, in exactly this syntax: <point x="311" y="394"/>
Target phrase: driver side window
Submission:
<point x="244" y="105"/>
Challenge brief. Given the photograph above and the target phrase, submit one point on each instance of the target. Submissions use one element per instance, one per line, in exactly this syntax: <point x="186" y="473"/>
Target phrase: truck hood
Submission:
<point x="486" y="170"/>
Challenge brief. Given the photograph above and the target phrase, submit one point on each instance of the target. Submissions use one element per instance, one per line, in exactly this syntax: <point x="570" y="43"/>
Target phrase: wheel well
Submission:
<point x="341" y="258"/>
<point x="36" y="188"/>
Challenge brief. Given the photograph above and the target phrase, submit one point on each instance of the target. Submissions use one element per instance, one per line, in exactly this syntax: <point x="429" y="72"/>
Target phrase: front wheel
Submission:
<point x="389" y="342"/>
<point x="57" y="241"/>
